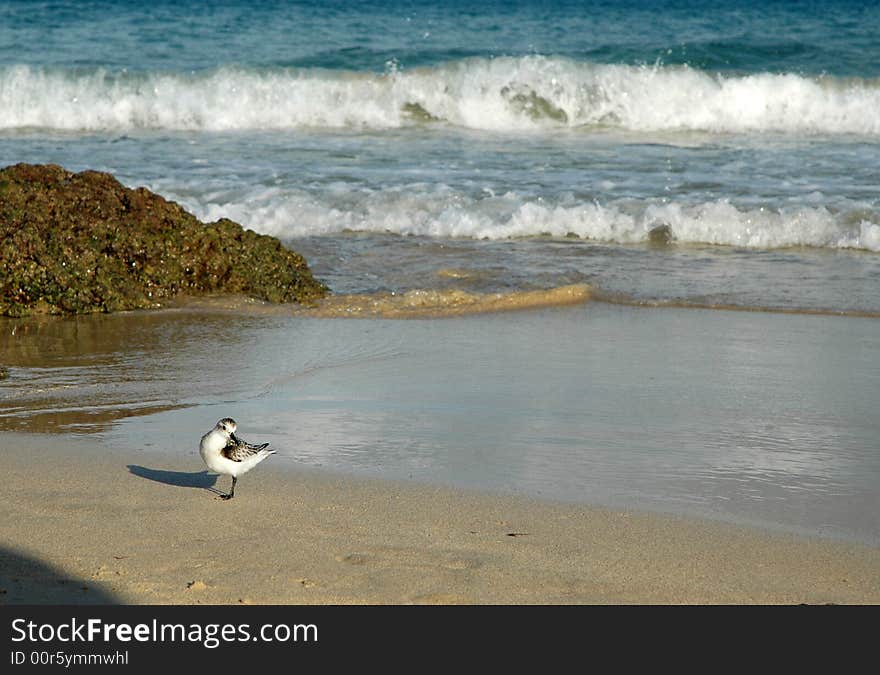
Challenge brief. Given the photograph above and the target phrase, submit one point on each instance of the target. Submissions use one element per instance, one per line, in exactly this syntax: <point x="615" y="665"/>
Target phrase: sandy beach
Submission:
<point x="86" y="524"/>
<point x="602" y="321"/>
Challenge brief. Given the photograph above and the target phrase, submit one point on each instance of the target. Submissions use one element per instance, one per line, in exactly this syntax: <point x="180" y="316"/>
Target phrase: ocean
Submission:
<point x="710" y="170"/>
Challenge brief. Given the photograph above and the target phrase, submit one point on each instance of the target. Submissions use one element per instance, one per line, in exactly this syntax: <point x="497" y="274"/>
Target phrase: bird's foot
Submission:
<point x="225" y="498"/>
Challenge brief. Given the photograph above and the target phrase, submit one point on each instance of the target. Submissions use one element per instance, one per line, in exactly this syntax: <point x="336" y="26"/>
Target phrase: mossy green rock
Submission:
<point x="82" y="242"/>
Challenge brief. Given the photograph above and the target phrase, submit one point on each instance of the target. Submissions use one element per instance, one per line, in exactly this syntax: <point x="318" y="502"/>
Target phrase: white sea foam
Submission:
<point x="442" y="212"/>
<point x="503" y="94"/>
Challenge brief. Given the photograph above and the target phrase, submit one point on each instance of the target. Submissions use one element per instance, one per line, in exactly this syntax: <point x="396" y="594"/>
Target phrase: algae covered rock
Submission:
<point x="82" y="242"/>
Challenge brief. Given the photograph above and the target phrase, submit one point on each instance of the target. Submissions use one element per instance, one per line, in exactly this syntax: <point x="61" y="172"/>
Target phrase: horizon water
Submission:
<point x="665" y="154"/>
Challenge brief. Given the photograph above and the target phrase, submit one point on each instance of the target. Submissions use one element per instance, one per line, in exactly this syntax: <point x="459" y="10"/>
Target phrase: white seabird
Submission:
<point x="229" y="455"/>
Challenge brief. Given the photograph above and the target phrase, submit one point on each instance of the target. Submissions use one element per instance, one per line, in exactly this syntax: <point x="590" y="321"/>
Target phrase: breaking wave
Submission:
<point x="447" y="213"/>
<point x="501" y="94"/>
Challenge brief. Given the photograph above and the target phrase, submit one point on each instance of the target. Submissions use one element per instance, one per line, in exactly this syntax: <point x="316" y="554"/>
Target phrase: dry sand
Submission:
<point x="82" y="523"/>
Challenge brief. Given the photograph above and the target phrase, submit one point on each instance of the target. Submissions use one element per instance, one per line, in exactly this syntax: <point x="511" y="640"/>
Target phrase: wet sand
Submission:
<point x="85" y="523"/>
<point x="114" y="505"/>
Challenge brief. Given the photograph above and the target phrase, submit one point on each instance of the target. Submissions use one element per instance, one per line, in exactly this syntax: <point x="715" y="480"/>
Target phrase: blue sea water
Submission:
<point x="717" y="154"/>
<point x="739" y="125"/>
<point x="746" y="132"/>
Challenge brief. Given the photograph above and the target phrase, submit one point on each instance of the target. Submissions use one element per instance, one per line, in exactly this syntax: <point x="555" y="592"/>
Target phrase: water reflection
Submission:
<point x="80" y="374"/>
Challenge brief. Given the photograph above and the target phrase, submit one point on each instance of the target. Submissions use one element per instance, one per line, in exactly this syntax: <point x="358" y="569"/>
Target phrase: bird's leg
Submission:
<point x="231" y="490"/>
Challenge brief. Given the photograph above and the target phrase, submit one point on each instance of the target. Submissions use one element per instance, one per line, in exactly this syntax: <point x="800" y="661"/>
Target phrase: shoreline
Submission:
<point x="90" y="524"/>
<point x="429" y="303"/>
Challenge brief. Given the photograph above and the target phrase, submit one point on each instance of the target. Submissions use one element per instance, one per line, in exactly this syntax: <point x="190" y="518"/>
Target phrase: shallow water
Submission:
<point x="760" y="418"/>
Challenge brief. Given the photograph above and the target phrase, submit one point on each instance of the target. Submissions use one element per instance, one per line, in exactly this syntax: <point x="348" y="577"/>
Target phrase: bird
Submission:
<point x="227" y="454"/>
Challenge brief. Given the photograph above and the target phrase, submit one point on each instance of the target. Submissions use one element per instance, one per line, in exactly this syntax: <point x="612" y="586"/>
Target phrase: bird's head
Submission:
<point x="227" y="425"/>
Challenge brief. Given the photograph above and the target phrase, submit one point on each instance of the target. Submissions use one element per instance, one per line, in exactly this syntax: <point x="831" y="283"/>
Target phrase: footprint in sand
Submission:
<point x="450" y="561"/>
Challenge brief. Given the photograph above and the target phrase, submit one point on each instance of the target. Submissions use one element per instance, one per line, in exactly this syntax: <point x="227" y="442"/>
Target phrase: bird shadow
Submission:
<point x="188" y="479"/>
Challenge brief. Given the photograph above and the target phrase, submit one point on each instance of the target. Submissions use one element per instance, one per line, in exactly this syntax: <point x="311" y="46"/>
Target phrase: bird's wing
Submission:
<point x="237" y="449"/>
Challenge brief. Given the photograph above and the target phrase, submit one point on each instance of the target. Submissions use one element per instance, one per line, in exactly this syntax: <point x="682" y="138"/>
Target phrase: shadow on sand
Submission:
<point x="27" y="581"/>
<point x="189" y="479"/>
